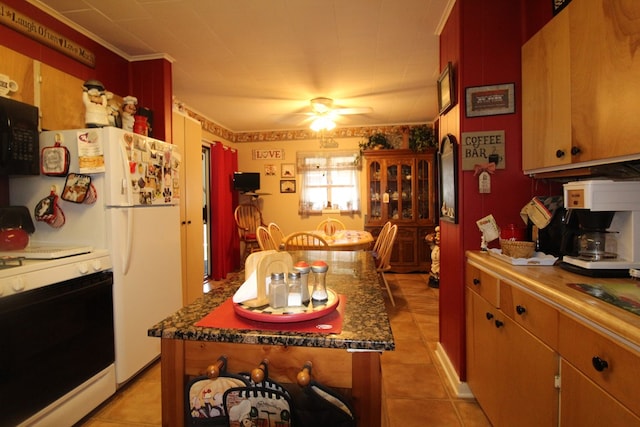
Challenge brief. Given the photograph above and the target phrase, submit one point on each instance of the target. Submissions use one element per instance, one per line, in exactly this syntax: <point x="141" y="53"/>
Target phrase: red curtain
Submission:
<point x="225" y="245"/>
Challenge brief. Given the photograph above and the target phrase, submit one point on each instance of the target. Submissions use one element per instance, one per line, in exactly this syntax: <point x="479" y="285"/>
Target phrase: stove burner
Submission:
<point x="10" y="261"/>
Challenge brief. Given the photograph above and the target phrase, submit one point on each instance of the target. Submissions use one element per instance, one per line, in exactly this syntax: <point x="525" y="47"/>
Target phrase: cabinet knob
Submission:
<point x="599" y="364"/>
<point x="520" y="309"/>
<point x="476" y="282"/>
<point x="560" y="154"/>
<point x="499" y="324"/>
<point x="489" y="316"/>
<point x="575" y="151"/>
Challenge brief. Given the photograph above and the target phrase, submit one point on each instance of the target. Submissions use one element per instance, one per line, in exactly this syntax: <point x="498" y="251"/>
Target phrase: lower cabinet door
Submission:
<point x="511" y="372"/>
<point x="583" y="403"/>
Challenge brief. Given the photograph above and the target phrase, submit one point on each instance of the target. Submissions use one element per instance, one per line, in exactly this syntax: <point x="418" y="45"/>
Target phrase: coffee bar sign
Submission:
<point x="268" y="154"/>
<point x="32" y="28"/>
<point x="479" y="148"/>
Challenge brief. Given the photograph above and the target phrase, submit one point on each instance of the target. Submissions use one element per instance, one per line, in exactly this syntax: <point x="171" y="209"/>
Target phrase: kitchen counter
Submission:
<point x="350" y="359"/>
<point x="550" y="284"/>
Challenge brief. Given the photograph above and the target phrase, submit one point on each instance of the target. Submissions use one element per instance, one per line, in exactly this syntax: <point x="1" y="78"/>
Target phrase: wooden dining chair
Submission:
<point x="380" y="238"/>
<point x="302" y="240"/>
<point x="383" y="262"/>
<point x="329" y="226"/>
<point x="265" y="241"/>
<point x="248" y="218"/>
<point x="277" y="235"/>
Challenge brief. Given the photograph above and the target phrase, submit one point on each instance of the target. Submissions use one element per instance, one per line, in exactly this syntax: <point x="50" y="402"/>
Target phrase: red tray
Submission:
<point x="288" y="314"/>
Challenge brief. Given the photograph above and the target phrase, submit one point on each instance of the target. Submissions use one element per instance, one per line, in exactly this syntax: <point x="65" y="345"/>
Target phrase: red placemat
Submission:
<point x="224" y="317"/>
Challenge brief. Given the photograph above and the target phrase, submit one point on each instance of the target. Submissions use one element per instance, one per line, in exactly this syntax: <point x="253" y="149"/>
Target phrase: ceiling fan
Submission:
<point x="324" y="113"/>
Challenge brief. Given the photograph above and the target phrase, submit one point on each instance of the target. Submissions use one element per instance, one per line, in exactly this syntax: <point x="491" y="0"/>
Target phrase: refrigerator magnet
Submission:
<point x="76" y="188"/>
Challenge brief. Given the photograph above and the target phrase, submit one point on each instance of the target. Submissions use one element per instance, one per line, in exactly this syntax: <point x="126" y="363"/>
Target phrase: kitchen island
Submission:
<point x="346" y="360"/>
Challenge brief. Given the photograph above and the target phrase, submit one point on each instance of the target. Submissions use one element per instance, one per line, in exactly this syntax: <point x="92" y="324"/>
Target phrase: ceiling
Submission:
<point x="254" y="65"/>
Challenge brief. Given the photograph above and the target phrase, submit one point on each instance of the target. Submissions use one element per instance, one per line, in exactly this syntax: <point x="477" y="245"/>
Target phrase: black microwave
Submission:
<point x="19" y="147"/>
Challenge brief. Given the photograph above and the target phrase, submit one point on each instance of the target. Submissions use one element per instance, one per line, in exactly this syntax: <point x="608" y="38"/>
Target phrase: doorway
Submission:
<point x="206" y="210"/>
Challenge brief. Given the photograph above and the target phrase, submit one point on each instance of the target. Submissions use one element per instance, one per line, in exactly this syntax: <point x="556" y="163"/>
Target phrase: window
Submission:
<point x="328" y="180"/>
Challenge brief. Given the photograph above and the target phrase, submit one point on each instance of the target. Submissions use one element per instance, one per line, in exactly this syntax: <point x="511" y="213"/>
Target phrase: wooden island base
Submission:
<point x="359" y="371"/>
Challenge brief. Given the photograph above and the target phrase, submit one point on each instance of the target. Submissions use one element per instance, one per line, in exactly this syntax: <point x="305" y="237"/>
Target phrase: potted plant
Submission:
<point x="375" y="141"/>
<point x="421" y="137"/>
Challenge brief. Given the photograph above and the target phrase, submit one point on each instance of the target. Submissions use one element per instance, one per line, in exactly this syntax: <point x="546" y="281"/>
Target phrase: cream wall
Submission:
<point x="283" y="208"/>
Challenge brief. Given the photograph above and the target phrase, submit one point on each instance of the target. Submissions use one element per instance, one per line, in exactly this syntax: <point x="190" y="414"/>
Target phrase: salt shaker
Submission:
<point x="319" y="293"/>
<point x="304" y="269"/>
<point x="295" y="289"/>
<point x="278" y="293"/>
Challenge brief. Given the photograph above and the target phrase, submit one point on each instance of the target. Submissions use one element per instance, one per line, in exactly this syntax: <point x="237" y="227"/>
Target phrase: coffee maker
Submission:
<point x="607" y="240"/>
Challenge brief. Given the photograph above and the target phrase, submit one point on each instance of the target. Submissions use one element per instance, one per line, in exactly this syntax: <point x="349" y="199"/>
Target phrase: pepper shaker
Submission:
<point x="319" y="293"/>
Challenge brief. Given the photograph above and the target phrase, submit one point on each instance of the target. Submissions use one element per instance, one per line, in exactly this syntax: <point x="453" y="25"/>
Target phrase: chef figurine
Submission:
<point x="113" y="111"/>
<point x="95" y="104"/>
<point x="434" y="243"/>
<point x="129" y="110"/>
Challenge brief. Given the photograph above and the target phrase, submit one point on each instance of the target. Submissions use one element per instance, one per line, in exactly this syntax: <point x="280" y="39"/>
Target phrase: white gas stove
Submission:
<point x="20" y="271"/>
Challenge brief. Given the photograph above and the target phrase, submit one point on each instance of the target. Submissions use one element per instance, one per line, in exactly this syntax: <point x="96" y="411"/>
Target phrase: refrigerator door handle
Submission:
<point x="126" y="259"/>
<point x="126" y="187"/>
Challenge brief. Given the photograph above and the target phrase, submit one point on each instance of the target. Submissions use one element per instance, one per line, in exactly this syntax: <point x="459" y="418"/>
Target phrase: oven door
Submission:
<point x="53" y="339"/>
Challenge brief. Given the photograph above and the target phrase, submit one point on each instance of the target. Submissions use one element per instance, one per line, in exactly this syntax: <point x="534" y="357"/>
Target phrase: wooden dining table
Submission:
<point x="347" y="240"/>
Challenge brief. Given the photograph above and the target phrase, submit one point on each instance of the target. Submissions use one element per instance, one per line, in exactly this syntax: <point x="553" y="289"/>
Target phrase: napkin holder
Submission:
<point x="257" y="269"/>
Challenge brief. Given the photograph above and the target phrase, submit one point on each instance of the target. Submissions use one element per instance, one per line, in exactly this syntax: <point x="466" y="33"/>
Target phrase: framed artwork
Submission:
<point x="288" y="170"/>
<point x="270" y="170"/>
<point x="448" y="169"/>
<point x="445" y="89"/>
<point x="490" y="100"/>
<point x="287" y="185"/>
<point x="558" y="5"/>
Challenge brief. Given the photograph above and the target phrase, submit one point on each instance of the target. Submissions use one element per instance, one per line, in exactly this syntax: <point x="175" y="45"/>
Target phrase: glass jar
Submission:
<point x="319" y="293"/>
<point x="295" y="289"/>
<point x="278" y="292"/>
<point x="304" y="269"/>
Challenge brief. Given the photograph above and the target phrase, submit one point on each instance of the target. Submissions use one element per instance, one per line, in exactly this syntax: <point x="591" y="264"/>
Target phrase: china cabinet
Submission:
<point x="401" y="189"/>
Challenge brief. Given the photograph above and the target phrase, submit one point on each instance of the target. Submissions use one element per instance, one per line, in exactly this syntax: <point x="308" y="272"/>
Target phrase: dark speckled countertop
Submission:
<point x="365" y="325"/>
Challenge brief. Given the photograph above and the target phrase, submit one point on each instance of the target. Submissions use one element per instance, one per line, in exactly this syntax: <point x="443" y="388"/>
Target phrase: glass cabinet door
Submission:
<point x="392" y="191"/>
<point x="422" y="189"/>
<point x="406" y="196"/>
<point x="375" y="191"/>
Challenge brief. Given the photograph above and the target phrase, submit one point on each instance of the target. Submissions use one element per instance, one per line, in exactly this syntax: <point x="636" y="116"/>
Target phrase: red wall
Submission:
<point x="482" y="38"/>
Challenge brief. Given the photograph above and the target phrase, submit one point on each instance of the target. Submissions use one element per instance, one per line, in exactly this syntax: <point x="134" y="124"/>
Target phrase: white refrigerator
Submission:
<point x="135" y="216"/>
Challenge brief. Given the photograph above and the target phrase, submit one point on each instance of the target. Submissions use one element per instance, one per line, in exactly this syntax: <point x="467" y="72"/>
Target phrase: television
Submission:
<point x="246" y="182"/>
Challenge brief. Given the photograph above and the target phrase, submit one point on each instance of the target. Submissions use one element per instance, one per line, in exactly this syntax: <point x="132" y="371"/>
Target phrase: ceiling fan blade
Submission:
<point x="353" y="110"/>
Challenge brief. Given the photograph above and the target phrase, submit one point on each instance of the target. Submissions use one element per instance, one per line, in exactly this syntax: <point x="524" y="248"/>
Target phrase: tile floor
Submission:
<point x="414" y="390"/>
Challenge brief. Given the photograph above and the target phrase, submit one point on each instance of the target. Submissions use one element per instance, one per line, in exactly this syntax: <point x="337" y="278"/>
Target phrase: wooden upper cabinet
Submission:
<point x="605" y="83"/>
<point x="580" y="85"/>
<point x="546" y="97"/>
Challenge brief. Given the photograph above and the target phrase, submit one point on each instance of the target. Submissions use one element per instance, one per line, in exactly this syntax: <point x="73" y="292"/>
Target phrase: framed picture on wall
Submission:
<point x="288" y="170"/>
<point x="287" y="185"/>
<point x="448" y="167"/>
<point x="445" y="89"/>
<point x="558" y="5"/>
<point x="490" y="100"/>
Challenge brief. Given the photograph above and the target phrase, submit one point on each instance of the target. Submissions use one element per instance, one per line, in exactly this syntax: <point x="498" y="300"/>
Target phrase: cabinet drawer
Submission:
<point x="536" y="316"/>
<point x="483" y="283"/>
<point x="619" y="368"/>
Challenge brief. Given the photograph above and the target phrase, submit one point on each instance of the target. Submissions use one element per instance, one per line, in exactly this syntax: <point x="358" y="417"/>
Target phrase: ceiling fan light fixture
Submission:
<point x="322" y="123"/>
<point x="321" y="105"/>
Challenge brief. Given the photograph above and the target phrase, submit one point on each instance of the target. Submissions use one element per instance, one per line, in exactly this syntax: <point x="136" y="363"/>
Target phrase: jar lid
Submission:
<point x="277" y="276"/>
